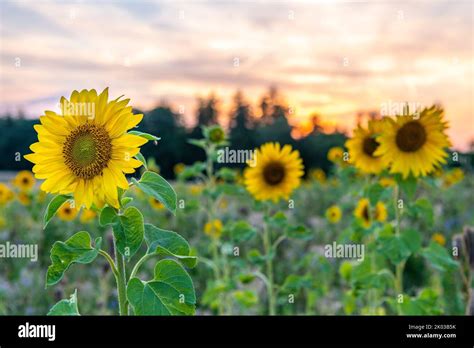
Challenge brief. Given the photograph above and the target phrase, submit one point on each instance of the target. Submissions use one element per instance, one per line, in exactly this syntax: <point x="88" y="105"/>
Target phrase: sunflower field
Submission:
<point x="387" y="230"/>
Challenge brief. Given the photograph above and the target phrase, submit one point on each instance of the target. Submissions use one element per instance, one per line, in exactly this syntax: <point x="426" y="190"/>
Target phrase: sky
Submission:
<point x="332" y="58"/>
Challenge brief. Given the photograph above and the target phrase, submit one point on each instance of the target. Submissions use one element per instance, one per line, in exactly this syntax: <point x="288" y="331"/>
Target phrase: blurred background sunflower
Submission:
<point x="277" y="173"/>
<point x="362" y="147"/>
<point x="24" y="180"/>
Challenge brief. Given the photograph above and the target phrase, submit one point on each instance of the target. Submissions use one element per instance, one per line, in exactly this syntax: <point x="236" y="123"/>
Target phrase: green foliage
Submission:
<point x="155" y="186"/>
<point x="147" y="136"/>
<point x="77" y="249"/>
<point x="66" y="306"/>
<point x="439" y="257"/>
<point x="53" y="207"/>
<point x="107" y="216"/>
<point x="171" y="292"/>
<point x="168" y="243"/>
<point x="241" y="231"/>
<point x="129" y="231"/>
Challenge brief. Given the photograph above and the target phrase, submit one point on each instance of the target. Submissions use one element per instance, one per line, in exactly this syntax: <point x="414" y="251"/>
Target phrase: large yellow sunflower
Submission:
<point x="362" y="147"/>
<point x="277" y="172"/>
<point x="414" y="145"/>
<point x="86" y="154"/>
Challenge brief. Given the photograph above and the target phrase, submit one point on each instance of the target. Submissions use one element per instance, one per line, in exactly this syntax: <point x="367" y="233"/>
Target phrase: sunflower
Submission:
<point x="156" y="204"/>
<point x="277" y="173"/>
<point x="439" y="238"/>
<point x="363" y="146"/>
<point x="215" y="134"/>
<point x="333" y="214"/>
<point x="318" y="175"/>
<point x="223" y="204"/>
<point x="213" y="228"/>
<point x="362" y="212"/>
<point x="67" y="211"/>
<point x="24" y="198"/>
<point x="380" y="213"/>
<point x="179" y="168"/>
<point x="87" y="155"/>
<point x="195" y="189"/>
<point x="453" y="177"/>
<point x="87" y="216"/>
<point x="414" y="145"/>
<point x="24" y="180"/>
<point x="387" y="181"/>
<point x="336" y="154"/>
<point x="6" y="195"/>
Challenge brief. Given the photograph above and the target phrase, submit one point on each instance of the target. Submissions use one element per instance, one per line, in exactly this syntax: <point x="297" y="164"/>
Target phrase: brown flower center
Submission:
<point x="87" y="150"/>
<point x="369" y="146"/>
<point x="274" y="173"/>
<point x="365" y="213"/>
<point x="411" y="137"/>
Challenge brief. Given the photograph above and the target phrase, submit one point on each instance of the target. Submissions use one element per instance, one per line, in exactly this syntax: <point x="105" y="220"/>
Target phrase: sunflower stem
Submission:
<point x="121" y="279"/>
<point x="401" y="266"/>
<point x="269" y="267"/>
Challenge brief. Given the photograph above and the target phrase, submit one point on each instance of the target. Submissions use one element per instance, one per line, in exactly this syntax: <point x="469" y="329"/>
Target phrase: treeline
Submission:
<point x="245" y="131"/>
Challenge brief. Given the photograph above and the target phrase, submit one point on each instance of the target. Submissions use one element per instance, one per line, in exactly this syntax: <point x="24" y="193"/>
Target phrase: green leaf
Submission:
<point x="296" y="282"/>
<point x="412" y="240"/>
<point x="198" y="142"/>
<point x="439" y="257"/>
<point x="298" y="232"/>
<point x="192" y="171"/>
<point x="241" y="231"/>
<point x="424" y="210"/>
<point x="394" y="248"/>
<point x="125" y="200"/>
<point x="229" y="189"/>
<point x="171" y="292"/>
<point x="53" y="207"/>
<point x="154" y="185"/>
<point x="407" y="185"/>
<point x="279" y="219"/>
<point x="145" y="135"/>
<point x="226" y="174"/>
<point x="168" y="243"/>
<point x="129" y="231"/>
<point x="107" y="216"/>
<point x="255" y="256"/>
<point x="77" y="249"/>
<point x="374" y="192"/>
<point x="246" y="278"/>
<point x="66" y="306"/>
<point x="142" y="159"/>
<point x="245" y="298"/>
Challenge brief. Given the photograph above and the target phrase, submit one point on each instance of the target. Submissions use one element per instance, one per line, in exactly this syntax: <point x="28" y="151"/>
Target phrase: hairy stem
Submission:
<point x="121" y="281"/>
<point x="401" y="266"/>
<point x="269" y="269"/>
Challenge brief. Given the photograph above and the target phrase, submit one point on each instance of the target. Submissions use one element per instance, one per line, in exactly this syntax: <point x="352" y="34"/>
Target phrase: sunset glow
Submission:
<point x="326" y="58"/>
